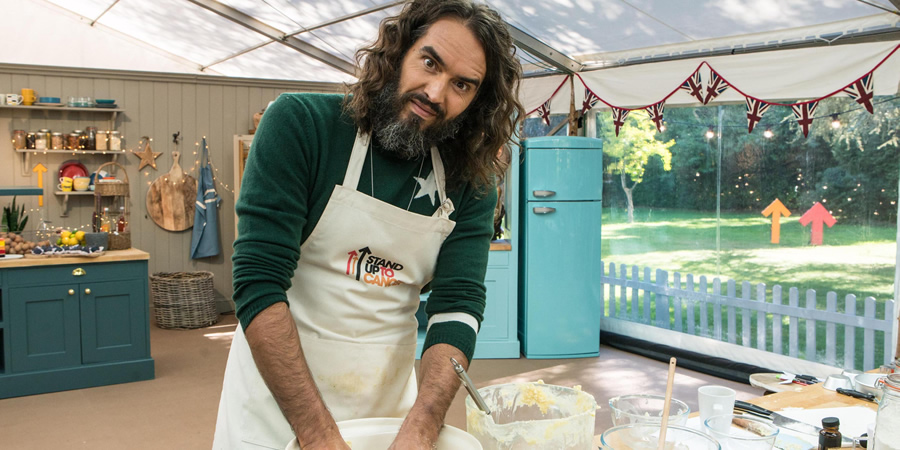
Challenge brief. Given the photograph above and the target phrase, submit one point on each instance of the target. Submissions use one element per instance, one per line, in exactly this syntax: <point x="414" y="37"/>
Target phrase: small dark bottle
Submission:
<point x="830" y="437"/>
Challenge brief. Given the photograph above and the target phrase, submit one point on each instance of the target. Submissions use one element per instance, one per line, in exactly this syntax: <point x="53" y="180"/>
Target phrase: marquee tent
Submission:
<point x="609" y="42"/>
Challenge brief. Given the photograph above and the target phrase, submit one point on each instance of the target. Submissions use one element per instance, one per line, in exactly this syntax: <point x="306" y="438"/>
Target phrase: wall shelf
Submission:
<point x="65" y="195"/>
<point x="20" y="190"/>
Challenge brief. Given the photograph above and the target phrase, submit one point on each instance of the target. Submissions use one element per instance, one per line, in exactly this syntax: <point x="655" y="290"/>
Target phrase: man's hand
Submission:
<point x="439" y="385"/>
<point x="275" y="344"/>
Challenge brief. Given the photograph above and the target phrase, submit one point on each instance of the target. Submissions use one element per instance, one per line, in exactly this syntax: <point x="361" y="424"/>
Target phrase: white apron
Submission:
<point x="354" y="297"/>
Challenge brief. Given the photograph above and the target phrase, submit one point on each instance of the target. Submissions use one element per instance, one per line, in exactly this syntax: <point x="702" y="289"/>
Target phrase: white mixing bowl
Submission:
<point x="378" y="434"/>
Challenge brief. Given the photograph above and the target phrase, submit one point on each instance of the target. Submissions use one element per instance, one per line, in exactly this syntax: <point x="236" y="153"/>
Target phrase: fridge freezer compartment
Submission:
<point x="563" y="174"/>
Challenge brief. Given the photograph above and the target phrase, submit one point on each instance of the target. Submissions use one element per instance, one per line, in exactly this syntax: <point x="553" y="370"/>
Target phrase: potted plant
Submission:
<point x="14" y="219"/>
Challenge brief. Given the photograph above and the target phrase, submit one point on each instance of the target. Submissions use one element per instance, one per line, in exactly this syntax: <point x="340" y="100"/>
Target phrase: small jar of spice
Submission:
<point x="56" y="141"/>
<point x="72" y="141"/>
<point x="101" y="141"/>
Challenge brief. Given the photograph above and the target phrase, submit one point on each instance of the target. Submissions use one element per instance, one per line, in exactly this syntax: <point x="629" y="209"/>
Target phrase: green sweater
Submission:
<point x="300" y="152"/>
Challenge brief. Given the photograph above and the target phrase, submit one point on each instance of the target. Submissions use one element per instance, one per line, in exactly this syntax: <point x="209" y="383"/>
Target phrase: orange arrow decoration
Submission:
<point x="40" y="169"/>
<point x="817" y="215"/>
<point x="776" y="209"/>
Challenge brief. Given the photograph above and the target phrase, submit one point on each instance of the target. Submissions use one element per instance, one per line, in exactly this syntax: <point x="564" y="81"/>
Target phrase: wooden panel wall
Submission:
<point x="156" y="105"/>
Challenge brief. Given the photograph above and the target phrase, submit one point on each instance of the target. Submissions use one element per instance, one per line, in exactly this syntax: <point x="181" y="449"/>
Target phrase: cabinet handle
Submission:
<point x="71" y="291"/>
<point x="543" y="210"/>
<point x="544" y="194"/>
<point x="87" y="291"/>
<point x="78" y="272"/>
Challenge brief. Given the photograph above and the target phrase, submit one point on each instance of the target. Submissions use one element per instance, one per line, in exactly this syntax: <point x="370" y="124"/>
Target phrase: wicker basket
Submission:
<point x="119" y="240"/>
<point x="183" y="299"/>
<point x="107" y="189"/>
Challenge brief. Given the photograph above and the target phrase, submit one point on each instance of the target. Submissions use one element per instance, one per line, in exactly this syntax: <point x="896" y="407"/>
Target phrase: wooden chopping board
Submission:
<point x="171" y="198"/>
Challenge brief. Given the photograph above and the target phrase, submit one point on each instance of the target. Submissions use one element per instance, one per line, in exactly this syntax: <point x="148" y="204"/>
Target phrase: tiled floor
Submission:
<point x="177" y="410"/>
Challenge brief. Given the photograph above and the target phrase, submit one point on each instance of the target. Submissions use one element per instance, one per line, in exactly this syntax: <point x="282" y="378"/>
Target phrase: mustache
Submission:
<point x="421" y="98"/>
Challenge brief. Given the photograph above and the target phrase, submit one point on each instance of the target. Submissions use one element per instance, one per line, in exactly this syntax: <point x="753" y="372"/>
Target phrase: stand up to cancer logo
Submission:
<point x="365" y="266"/>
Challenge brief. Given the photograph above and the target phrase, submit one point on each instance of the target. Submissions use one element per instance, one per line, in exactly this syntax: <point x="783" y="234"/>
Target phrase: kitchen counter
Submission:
<point x="131" y="254"/>
<point x="74" y="322"/>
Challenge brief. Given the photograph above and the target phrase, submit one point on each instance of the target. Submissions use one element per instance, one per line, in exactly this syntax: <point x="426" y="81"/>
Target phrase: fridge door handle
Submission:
<point x="543" y="210"/>
<point x="543" y="194"/>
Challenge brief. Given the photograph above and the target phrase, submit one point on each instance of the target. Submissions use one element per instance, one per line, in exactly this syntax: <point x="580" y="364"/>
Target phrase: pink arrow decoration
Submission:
<point x="817" y="215"/>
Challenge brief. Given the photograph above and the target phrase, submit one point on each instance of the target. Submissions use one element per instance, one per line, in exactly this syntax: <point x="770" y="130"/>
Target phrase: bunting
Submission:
<point x="544" y="112"/>
<point x="589" y="101"/>
<point x="714" y="87"/>
<point x="656" y="114"/>
<point x="755" y="110"/>
<point x="862" y="90"/>
<point x="619" y="115"/>
<point x="804" y="113"/>
<point x="694" y="86"/>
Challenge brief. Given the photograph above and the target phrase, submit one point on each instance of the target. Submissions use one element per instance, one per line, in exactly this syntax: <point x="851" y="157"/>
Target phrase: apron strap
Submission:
<point x="357" y="159"/>
<point x="440" y="178"/>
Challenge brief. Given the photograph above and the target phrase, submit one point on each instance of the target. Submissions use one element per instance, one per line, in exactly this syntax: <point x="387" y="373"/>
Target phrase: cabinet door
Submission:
<point x="45" y="332"/>
<point x="494" y="325"/>
<point x="113" y="321"/>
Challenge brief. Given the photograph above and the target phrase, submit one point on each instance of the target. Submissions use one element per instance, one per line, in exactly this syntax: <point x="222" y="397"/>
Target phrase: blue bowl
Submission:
<point x="103" y="101"/>
<point x="48" y="99"/>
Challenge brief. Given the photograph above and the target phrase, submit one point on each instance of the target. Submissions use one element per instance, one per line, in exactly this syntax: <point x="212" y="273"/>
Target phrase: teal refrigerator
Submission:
<point x="559" y="255"/>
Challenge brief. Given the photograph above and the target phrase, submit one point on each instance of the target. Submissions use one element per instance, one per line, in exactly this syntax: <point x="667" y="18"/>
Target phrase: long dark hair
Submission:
<point x="493" y="116"/>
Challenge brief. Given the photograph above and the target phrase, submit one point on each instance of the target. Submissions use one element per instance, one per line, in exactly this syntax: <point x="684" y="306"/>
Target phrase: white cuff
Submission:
<point x="454" y="317"/>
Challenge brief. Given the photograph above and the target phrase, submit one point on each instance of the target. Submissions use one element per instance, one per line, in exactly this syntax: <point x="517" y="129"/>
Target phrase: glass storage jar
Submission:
<point x="115" y="140"/>
<point x="101" y="141"/>
<point x="887" y="422"/>
<point x="56" y="141"/>
<point x="42" y="139"/>
<point x="72" y="141"/>
<point x="91" y="141"/>
<point x="18" y="139"/>
<point x="29" y="141"/>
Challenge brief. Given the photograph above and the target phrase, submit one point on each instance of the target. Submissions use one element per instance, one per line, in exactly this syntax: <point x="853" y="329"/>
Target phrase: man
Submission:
<point x="349" y="207"/>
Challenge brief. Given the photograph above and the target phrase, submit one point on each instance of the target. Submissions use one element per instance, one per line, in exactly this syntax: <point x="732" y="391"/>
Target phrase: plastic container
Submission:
<point x="645" y="436"/>
<point x="887" y="422"/>
<point x="533" y="416"/>
<point x="639" y="408"/>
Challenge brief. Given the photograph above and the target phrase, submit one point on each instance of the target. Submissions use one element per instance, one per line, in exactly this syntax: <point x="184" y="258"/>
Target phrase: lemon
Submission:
<point x="73" y="240"/>
<point x="65" y="234"/>
<point x="79" y="235"/>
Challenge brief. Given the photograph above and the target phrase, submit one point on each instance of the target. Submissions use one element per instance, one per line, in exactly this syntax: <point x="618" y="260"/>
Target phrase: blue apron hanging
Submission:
<point x="205" y="236"/>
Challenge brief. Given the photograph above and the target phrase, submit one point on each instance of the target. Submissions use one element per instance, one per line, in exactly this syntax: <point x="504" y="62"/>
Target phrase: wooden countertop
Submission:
<point x="501" y="245"/>
<point x="131" y="254"/>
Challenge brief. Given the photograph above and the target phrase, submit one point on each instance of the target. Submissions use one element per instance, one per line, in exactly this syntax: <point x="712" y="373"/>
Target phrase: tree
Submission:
<point x="631" y="150"/>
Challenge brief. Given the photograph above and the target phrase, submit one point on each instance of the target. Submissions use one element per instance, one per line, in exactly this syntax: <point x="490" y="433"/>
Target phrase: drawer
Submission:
<point x="93" y="272"/>
<point x="498" y="258"/>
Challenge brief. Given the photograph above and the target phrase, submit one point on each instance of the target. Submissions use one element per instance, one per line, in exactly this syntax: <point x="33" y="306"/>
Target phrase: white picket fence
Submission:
<point x="685" y="304"/>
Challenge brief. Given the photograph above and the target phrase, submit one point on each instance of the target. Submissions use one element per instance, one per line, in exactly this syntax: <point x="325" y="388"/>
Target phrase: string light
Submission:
<point x="662" y="127"/>
<point x="710" y="133"/>
<point x="835" y="122"/>
<point x="768" y="134"/>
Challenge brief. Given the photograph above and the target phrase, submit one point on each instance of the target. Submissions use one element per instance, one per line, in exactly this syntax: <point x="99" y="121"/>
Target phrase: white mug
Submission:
<point x="13" y="99"/>
<point x="715" y="400"/>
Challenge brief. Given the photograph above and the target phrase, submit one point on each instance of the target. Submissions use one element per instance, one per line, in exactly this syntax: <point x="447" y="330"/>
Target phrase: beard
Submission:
<point x="402" y="136"/>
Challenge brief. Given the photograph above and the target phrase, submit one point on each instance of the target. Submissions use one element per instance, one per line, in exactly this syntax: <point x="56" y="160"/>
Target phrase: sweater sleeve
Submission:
<point x="271" y="209"/>
<point x="455" y="306"/>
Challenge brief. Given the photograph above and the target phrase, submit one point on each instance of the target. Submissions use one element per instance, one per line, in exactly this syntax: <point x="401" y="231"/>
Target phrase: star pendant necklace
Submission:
<point x="372" y="174"/>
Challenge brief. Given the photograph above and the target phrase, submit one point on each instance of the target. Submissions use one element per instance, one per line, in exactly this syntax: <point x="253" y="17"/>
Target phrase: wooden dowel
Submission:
<point x="665" y="414"/>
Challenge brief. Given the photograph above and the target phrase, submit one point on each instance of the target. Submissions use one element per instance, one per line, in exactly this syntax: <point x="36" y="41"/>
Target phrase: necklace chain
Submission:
<point x="372" y="175"/>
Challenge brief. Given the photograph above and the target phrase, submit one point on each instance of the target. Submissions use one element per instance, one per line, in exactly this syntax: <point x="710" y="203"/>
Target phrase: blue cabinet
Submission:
<point x="71" y="326"/>
<point x="498" y="337"/>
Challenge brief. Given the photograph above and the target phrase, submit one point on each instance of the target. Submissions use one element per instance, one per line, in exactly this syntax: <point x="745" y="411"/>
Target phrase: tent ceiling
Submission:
<point x="555" y="34"/>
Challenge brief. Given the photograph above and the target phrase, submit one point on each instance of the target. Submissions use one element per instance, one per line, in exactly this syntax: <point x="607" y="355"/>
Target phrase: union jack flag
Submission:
<point x="715" y="86"/>
<point x="755" y="110"/>
<point x="656" y="114"/>
<point x="619" y="115"/>
<point x="544" y="112"/>
<point x="694" y="86"/>
<point x="804" y="113"/>
<point x="589" y="101"/>
<point x="862" y="90"/>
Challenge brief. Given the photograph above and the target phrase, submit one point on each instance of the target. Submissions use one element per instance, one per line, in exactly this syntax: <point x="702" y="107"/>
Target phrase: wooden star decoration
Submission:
<point x="147" y="155"/>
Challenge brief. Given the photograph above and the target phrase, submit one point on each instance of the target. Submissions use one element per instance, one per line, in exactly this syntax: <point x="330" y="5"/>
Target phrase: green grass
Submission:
<point x="855" y="259"/>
